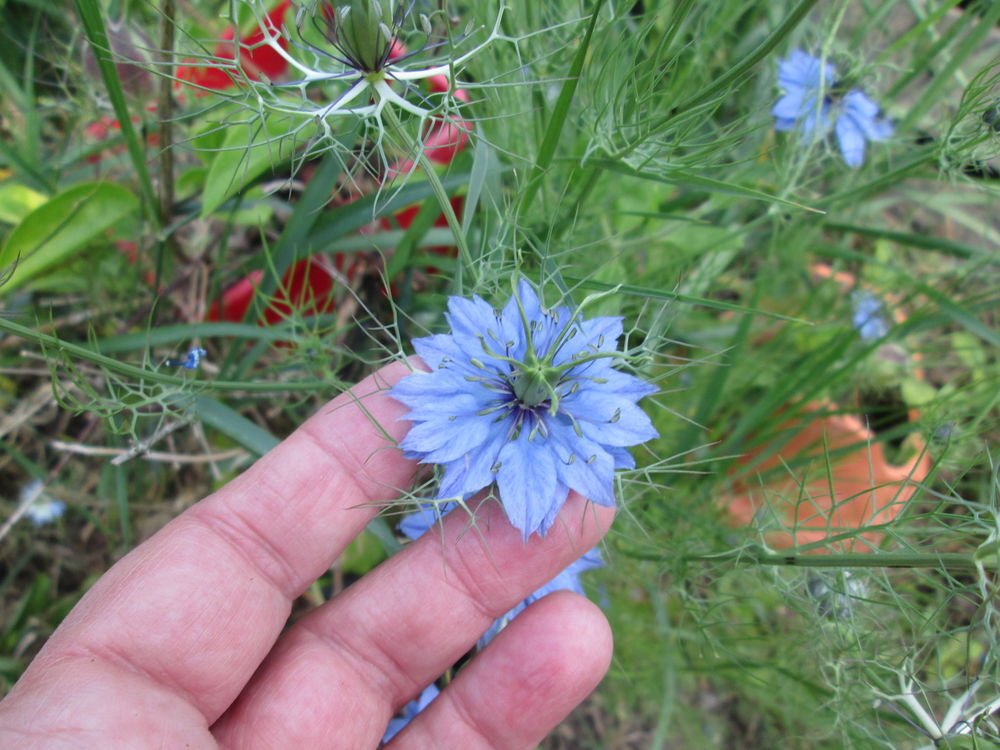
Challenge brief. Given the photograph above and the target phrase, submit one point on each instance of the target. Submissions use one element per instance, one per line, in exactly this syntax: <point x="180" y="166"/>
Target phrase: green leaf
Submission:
<point x="17" y="201"/>
<point x="245" y="154"/>
<point x="92" y="19"/>
<point x="63" y="225"/>
<point x="363" y="554"/>
<point x="216" y="414"/>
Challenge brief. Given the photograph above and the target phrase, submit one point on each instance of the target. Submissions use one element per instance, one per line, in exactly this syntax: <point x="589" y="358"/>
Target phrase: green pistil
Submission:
<point x="536" y="383"/>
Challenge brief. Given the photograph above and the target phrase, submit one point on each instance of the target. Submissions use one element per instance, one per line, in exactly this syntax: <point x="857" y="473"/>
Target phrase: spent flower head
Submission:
<point x="526" y="398"/>
<point x="812" y="103"/>
<point x="346" y="60"/>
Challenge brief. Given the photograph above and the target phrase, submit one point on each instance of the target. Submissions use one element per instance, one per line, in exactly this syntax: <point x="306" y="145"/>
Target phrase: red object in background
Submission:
<point x="104" y="126"/>
<point x="405" y="217"/>
<point x="255" y="61"/>
<point x="306" y="287"/>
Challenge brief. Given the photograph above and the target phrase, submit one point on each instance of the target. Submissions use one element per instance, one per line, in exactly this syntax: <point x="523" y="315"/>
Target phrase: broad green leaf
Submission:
<point x="62" y="226"/>
<point x="246" y="153"/>
<point x="213" y="412"/>
<point x="17" y="201"/>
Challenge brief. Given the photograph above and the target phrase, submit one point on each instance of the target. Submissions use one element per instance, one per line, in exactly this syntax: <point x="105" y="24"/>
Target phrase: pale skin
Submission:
<point x="182" y="644"/>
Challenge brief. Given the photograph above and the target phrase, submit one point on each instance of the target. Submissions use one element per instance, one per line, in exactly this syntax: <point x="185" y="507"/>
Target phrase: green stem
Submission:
<point x="165" y="114"/>
<point x="439" y="192"/>
<point x="755" y="556"/>
<point x="127" y="370"/>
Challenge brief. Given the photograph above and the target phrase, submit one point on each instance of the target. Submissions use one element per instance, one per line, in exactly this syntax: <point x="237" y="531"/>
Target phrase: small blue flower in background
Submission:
<point x="854" y="117"/>
<point x="525" y="397"/>
<point x="41" y="509"/>
<point x="410" y="710"/>
<point x="869" y="316"/>
<point x="193" y="358"/>
<point x="191" y="361"/>
<point x="417" y="524"/>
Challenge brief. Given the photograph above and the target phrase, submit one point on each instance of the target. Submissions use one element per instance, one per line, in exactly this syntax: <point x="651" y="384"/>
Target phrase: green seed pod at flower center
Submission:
<point x="536" y="382"/>
<point x="364" y="32"/>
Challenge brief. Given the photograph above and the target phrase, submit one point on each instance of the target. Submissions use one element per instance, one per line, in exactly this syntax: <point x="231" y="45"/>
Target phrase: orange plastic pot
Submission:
<point x="831" y="477"/>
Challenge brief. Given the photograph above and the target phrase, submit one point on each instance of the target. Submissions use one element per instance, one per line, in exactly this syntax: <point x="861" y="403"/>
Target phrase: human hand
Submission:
<point x="180" y="644"/>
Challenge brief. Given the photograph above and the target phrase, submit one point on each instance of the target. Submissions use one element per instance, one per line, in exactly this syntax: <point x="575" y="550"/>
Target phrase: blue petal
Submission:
<point x="471" y="317"/>
<point x="851" y="140"/>
<point x="456" y="405"/>
<point x="594" y="336"/>
<point x="443" y="440"/>
<point x="599" y="403"/>
<point x="801" y="70"/>
<point x="527" y="481"/>
<point x="865" y="114"/>
<point x="474" y="471"/>
<point x="631" y="428"/>
<point x="623" y="459"/>
<point x="560" y="496"/>
<point x="791" y="106"/>
<point x="583" y="465"/>
<point x="442" y="350"/>
<point x="567" y="580"/>
<point x="410" y="711"/>
<point x="420" y="387"/>
<point x="530" y="304"/>
<point x="415" y="525"/>
<point x="784" y="124"/>
<point x="815" y="116"/>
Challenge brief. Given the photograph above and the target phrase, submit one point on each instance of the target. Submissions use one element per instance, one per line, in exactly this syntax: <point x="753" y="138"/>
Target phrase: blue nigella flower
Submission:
<point x="410" y="710"/>
<point x="868" y="317"/>
<point x="568" y="580"/>
<point x="191" y="361"/>
<point x="810" y="102"/>
<point x="193" y="358"/>
<point x="417" y="524"/>
<point x="525" y="397"/>
<point x="42" y="509"/>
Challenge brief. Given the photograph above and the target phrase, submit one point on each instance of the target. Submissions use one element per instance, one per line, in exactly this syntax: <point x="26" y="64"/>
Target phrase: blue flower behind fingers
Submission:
<point x="568" y="580"/>
<point x="410" y="711"/>
<point x="417" y="524"/>
<point x="526" y="398"/>
<point x="811" y="103"/>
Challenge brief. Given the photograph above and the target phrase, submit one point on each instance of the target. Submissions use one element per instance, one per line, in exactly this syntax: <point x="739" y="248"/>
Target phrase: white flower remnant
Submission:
<point x="363" y="55"/>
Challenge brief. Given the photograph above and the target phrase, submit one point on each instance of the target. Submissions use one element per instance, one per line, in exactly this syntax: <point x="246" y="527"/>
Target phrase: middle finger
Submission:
<point x="337" y="677"/>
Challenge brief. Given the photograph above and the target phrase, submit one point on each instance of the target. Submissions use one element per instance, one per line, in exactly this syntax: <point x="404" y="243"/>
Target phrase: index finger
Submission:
<point x="197" y="607"/>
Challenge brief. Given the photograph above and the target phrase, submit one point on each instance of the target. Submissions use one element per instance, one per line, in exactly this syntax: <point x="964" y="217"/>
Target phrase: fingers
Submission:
<point x="195" y="609"/>
<point x="387" y="636"/>
<point x="545" y="662"/>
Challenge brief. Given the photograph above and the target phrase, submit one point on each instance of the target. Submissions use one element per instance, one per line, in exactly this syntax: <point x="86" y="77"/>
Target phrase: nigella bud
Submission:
<point x="361" y="32"/>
